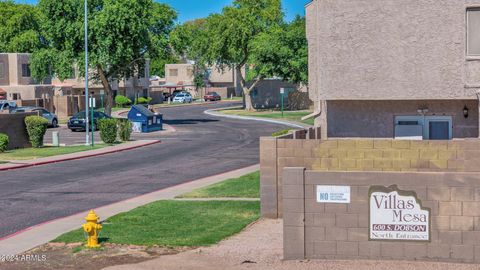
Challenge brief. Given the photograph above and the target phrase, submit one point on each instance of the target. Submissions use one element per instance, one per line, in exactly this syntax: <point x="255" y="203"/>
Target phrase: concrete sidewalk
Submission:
<point x="260" y="247"/>
<point x="215" y="112"/>
<point x="78" y="155"/>
<point x="37" y="235"/>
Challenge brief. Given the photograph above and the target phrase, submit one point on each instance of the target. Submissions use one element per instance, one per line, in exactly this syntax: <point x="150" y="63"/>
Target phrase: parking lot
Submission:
<point x="68" y="137"/>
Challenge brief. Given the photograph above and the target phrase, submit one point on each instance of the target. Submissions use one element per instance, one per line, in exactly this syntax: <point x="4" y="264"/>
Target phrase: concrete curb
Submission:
<point x="81" y="155"/>
<point x="121" y="114"/>
<point x="34" y="236"/>
<point x="214" y="112"/>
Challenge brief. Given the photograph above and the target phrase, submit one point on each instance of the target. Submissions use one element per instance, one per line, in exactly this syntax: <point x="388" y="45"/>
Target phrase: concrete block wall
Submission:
<point x="14" y="126"/>
<point x="315" y="230"/>
<point x="357" y="155"/>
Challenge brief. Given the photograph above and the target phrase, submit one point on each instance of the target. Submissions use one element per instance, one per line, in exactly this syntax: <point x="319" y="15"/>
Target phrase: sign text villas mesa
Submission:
<point x="397" y="215"/>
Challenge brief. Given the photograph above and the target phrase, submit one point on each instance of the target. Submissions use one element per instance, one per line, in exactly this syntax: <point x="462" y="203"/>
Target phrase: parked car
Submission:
<point x="183" y="98"/>
<point x="212" y="96"/>
<point x="78" y="123"/>
<point x="51" y="117"/>
<point x="6" y="105"/>
<point x="171" y="96"/>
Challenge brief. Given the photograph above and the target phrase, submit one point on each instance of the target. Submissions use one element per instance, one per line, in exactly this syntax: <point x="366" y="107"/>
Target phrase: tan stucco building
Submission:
<point x="395" y="69"/>
<point x="182" y="75"/>
<point x="16" y="81"/>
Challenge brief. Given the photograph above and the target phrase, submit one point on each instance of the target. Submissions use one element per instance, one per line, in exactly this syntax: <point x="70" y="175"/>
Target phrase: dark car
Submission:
<point x="212" y="96"/>
<point x="77" y="122"/>
<point x="51" y="117"/>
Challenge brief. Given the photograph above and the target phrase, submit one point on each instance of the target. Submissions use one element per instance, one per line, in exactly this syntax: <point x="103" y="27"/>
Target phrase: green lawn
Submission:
<point x="116" y="109"/>
<point x="233" y="99"/>
<point x="247" y="186"/>
<point x="175" y="223"/>
<point x="281" y="132"/>
<point x="48" y="151"/>
<point x="295" y="116"/>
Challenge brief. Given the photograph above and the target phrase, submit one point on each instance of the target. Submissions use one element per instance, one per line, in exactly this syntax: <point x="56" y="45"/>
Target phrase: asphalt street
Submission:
<point x="202" y="146"/>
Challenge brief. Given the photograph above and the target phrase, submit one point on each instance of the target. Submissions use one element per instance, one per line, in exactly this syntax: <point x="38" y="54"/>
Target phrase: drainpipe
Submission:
<point x="315" y="113"/>
<point x="478" y="99"/>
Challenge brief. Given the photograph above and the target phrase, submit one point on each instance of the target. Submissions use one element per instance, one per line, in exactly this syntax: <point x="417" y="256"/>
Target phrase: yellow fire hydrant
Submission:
<point x="92" y="228"/>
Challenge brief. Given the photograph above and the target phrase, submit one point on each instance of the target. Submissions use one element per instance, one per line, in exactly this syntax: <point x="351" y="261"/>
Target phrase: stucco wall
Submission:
<point x="13" y="125"/>
<point x="182" y="75"/>
<point x="23" y="58"/>
<point x="375" y="119"/>
<point x="5" y="79"/>
<point x="395" y="49"/>
<point x="390" y="49"/>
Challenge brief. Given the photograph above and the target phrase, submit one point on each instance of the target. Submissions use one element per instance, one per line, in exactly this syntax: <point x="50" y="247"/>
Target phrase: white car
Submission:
<point x="183" y="98"/>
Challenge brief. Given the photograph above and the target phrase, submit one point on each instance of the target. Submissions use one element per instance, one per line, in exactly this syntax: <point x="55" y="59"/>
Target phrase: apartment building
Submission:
<point x="406" y="69"/>
<point x="16" y="81"/>
<point x="182" y="76"/>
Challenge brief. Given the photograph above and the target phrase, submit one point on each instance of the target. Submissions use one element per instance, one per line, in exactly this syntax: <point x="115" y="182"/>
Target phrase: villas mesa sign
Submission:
<point x="397" y="215"/>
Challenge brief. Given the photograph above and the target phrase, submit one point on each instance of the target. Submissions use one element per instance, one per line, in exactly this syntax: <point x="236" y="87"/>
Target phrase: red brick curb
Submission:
<point x="14" y="167"/>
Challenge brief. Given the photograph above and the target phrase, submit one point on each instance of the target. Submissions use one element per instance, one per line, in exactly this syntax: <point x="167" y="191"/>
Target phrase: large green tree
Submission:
<point x="282" y="52"/>
<point x="19" y="27"/>
<point x="189" y="42"/>
<point x="232" y="35"/>
<point x="121" y="34"/>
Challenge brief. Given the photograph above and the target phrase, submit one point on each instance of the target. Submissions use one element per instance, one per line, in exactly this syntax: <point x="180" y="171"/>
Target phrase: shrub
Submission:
<point x="108" y="130"/>
<point x="124" y="129"/>
<point x="36" y="128"/>
<point x="142" y="100"/>
<point x="122" y="101"/>
<point x="3" y="142"/>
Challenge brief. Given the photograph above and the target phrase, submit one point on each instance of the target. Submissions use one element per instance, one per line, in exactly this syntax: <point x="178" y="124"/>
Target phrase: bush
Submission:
<point x="108" y="130"/>
<point x="122" y="101"/>
<point x="142" y="100"/>
<point x="3" y="142"/>
<point x="124" y="129"/>
<point x="36" y="128"/>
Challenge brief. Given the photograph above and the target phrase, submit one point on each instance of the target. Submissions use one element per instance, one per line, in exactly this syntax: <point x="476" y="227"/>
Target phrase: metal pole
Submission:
<point x="93" y="122"/>
<point x="87" y="124"/>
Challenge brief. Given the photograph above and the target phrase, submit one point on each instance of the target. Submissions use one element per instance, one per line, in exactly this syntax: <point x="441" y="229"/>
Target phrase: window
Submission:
<point x="190" y="72"/>
<point x="26" y="70"/>
<point x="173" y="72"/>
<point x="473" y="32"/>
<point x="2" y="70"/>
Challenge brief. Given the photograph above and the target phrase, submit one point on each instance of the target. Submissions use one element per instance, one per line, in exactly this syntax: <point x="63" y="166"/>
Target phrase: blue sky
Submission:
<point x="192" y="9"/>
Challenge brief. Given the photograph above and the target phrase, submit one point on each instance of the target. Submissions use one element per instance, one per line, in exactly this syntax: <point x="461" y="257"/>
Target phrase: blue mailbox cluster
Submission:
<point x="145" y="120"/>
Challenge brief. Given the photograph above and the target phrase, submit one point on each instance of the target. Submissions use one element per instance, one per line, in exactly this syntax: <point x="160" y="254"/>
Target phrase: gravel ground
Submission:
<point x="260" y="247"/>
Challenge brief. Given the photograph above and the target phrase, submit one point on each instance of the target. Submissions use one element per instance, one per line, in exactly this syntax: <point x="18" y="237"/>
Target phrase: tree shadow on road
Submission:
<point x="188" y="121"/>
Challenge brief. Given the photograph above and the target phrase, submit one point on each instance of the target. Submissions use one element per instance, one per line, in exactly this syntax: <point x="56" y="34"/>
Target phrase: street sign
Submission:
<point x="92" y="102"/>
<point x="282" y="93"/>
